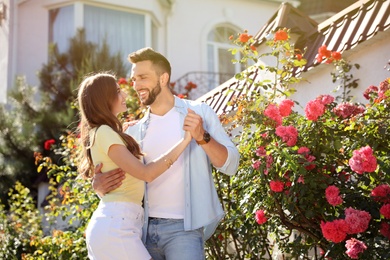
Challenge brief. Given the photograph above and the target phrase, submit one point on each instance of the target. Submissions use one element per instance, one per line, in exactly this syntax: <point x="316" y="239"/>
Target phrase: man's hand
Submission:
<point x="104" y="182"/>
<point x="193" y="123"/>
<point x="216" y="152"/>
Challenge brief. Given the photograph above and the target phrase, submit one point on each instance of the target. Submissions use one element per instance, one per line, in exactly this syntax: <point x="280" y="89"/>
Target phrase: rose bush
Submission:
<point x="315" y="181"/>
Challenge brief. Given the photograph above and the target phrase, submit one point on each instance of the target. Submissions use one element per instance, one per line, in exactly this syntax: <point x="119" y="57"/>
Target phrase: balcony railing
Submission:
<point x="204" y="82"/>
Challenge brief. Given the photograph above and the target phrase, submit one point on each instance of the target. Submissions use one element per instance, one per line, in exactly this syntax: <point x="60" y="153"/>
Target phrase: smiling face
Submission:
<point x="146" y="82"/>
<point x="119" y="105"/>
<point x="101" y="100"/>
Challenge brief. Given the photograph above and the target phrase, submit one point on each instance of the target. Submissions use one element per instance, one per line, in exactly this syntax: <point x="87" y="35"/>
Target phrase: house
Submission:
<point x="360" y="32"/>
<point x="192" y="34"/>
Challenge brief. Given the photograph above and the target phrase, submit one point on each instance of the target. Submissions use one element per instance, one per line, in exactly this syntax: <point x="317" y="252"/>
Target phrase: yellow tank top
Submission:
<point x="132" y="189"/>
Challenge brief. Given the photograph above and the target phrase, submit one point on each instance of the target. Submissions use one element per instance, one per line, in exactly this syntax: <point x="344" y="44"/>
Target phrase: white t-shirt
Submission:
<point x="165" y="193"/>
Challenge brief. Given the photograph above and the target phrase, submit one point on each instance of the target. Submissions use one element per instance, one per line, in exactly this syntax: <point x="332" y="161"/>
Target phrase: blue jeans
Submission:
<point x="167" y="240"/>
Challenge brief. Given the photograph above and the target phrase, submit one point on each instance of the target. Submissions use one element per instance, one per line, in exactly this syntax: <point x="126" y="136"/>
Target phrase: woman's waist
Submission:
<point x="119" y="208"/>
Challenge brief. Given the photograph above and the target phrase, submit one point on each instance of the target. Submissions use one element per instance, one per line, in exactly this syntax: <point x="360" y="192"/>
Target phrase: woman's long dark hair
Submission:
<point x="97" y="94"/>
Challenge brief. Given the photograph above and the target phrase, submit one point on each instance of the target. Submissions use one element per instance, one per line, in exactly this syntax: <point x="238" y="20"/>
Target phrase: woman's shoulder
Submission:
<point x="106" y="134"/>
<point x="104" y="129"/>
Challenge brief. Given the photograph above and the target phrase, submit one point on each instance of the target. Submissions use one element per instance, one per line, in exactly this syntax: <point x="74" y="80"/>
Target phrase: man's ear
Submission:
<point x="164" y="79"/>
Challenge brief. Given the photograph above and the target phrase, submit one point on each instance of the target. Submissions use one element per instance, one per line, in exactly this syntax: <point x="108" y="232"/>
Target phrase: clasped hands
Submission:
<point x="104" y="182"/>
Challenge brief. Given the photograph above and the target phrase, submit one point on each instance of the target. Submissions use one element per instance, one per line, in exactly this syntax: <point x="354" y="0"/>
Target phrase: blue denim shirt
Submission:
<point x="202" y="205"/>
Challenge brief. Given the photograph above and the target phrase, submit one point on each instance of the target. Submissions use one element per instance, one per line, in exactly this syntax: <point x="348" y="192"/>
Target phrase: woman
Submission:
<point x="114" y="231"/>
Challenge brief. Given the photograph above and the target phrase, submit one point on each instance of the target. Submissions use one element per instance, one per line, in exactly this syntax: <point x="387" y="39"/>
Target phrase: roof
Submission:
<point x="288" y="17"/>
<point x="352" y="26"/>
<point x="343" y="31"/>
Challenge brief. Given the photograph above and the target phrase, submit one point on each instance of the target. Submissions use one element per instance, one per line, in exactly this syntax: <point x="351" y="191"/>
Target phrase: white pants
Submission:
<point x="114" y="232"/>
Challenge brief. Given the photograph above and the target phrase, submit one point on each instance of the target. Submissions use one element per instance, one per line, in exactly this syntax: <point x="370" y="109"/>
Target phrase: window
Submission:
<point x="123" y="31"/>
<point x="219" y="57"/>
<point x="61" y="27"/>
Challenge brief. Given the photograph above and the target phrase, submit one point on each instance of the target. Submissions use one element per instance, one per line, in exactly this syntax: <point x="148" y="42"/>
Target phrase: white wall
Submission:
<point x="182" y="37"/>
<point x="192" y="20"/>
<point x="182" y="31"/>
<point x="372" y="56"/>
<point x="4" y="52"/>
<point x="32" y="30"/>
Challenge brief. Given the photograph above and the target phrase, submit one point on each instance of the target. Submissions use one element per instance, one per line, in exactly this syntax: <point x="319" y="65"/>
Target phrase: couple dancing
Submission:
<point x="158" y="199"/>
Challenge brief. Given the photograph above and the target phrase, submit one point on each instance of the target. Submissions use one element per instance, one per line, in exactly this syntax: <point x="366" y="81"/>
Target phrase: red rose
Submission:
<point x="122" y="81"/>
<point x="244" y="37"/>
<point x="281" y="35"/>
<point x="276" y="186"/>
<point x="385" y="211"/>
<point x="336" y="55"/>
<point x="335" y="231"/>
<point x="385" y="229"/>
<point x="324" y="52"/>
<point x="48" y="143"/>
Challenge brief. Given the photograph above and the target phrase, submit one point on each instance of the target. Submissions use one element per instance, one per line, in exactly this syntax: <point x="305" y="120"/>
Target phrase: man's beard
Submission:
<point x="153" y="95"/>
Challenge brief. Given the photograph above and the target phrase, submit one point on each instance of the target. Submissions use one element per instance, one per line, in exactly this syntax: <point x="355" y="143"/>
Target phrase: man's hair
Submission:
<point x="161" y="63"/>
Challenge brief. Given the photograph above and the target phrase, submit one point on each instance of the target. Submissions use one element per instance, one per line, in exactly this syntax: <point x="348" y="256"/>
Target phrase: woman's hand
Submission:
<point x="187" y="136"/>
<point x="193" y="123"/>
<point x="129" y="123"/>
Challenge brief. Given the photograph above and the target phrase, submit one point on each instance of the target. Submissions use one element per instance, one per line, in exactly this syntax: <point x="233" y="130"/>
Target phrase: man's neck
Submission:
<point x="162" y="104"/>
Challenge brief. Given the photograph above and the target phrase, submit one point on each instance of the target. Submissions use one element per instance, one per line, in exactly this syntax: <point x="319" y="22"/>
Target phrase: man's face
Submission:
<point x="145" y="82"/>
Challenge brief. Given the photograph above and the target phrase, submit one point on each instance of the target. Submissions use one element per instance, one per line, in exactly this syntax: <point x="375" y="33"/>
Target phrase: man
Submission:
<point x="182" y="208"/>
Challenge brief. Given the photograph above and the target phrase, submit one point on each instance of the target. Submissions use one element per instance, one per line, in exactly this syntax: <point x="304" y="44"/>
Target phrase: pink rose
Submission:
<point x="256" y="165"/>
<point x="332" y="194"/>
<point x="384" y="86"/>
<point x="371" y="91"/>
<point x="314" y="109"/>
<point x="363" y="160"/>
<point x="357" y="220"/>
<point x="354" y="248"/>
<point x="261" y="151"/>
<point x="381" y="193"/>
<point x="273" y="113"/>
<point x="289" y="134"/>
<point x="303" y="150"/>
<point x="285" y="107"/>
<point x="269" y="161"/>
<point x="346" y="109"/>
<point x="325" y="99"/>
<point x="260" y="217"/>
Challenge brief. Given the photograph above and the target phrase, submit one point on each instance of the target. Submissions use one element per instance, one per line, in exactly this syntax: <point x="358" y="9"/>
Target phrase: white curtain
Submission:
<point x="124" y="32"/>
